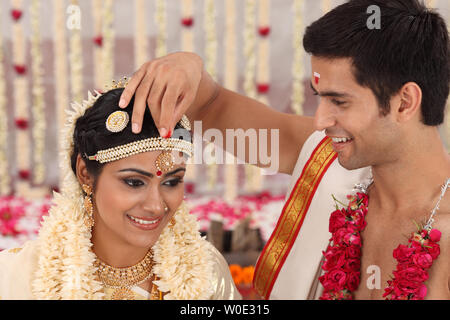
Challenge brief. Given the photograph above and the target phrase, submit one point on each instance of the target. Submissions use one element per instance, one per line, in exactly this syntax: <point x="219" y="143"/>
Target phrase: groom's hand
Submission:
<point x="168" y="85"/>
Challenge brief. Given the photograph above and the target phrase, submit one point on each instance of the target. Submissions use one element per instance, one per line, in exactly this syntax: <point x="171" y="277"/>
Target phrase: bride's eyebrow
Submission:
<point x="151" y="175"/>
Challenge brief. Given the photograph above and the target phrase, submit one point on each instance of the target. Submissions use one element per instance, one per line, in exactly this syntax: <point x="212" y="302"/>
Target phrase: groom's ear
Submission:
<point x="409" y="102"/>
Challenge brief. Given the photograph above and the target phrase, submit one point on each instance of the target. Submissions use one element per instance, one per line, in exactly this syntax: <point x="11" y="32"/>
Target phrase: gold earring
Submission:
<point x="88" y="206"/>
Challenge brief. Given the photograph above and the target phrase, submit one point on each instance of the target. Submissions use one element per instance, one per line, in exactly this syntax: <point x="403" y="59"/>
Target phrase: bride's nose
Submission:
<point x="154" y="202"/>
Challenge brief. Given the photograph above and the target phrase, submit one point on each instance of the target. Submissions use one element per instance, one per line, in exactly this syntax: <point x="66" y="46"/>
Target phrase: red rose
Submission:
<point x="352" y="265"/>
<point x="353" y="252"/>
<point x="434" y="250"/>
<point x="326" y="296"/>
<point x="352" y="239"/>
<point x="335" y="258"/>
<point x="353" y="279"/>
<point x="422" y="292"/>
<point x="423" y="260"/>
<point x="402" y="253"/>
<point x="363" y="198"/>
<point x="337" y="220"/>
<point x="405" y="287"/>
<point x="338" y="236"/>
<point x="411" y="274"/>
<point x="435" y="235"/>
<point x="334" y="280"/>
<point x="358" y="220"/>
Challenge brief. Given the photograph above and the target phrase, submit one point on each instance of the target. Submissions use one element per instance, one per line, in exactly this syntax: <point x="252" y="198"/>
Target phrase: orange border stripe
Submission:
<point x="283" y="237"/>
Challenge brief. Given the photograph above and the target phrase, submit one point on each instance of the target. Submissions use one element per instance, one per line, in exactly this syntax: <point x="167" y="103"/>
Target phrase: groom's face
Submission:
<point x="350" y="115"/>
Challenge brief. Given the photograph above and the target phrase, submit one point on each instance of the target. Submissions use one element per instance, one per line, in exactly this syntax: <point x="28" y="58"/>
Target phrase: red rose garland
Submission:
<point x="342" y="263"/>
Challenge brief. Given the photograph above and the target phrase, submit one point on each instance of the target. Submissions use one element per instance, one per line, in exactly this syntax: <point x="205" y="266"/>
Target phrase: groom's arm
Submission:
<point x="177" y="84"/>
<point x="231" y="110"/>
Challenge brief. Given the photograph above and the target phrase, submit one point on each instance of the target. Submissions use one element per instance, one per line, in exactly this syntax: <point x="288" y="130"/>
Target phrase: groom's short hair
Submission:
<point x="411" y="45"/>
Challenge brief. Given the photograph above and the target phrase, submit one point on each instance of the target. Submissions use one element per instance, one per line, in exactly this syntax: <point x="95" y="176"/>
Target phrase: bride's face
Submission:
<point x="130" y="200"/>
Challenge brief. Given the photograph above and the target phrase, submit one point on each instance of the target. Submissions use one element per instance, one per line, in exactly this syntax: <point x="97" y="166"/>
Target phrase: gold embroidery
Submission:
<point x="284" y="235"/>
<point x="14" y="250"/>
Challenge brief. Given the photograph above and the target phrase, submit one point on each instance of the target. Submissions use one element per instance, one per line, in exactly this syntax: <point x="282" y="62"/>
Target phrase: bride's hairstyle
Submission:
<point x="91" y="135"/>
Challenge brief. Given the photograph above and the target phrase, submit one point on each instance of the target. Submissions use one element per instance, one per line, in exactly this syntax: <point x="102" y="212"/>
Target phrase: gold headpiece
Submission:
<point x="118" y="120"/>
<point x="145" y="145"/>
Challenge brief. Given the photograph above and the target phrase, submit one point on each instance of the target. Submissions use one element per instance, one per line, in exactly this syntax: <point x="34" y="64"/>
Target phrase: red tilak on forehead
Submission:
<point x="316" y="77"/>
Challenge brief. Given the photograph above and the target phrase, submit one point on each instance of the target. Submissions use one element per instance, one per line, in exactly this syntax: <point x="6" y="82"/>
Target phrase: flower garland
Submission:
<point x="98" y="43"/>
<point x="187" y="44"/>
<point x="38" y="106"/>
<point x="209" y="27"/>
<point x="140" y="34"/>
<point x="61" y="70"/>
<point x="76" y="58"/>
<point x="251" y="172"/>
<point x="161" y="23"/>
<point x="230" y="83"/>
<point x="254" y="177"/>
<point x="343" y="256"/>
<point x="108" y="40"/>
<point x="5" y="181"/>
<point x="20" y="101"/>
<point x="298" y="73"/>
<point x="263" y="77"/>
<point x="65" y="267"/>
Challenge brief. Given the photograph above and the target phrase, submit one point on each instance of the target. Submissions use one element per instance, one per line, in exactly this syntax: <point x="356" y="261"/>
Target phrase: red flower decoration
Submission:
<point x="263" y="87"/>
<point x="343" y="256"/>
<point x="24" y="174"/>
<point x="98" y="40"/>
<point x="20" y="69"/>
<point x="16" y="14"/>
<point x="187" y="22"/>
<point x="190" y="188"/>
<point x="264" y="31"/>
<point x="22" y="123"/>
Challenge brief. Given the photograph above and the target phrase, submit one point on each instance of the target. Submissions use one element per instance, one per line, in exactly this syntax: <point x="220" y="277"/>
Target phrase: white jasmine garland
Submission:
<point x="161" y="23"/>
<point x="298" y="67"/>
<point x="209" y="26"/>
<point x="5" y="181"/>
<point x="183" y="263"/>
<point x="38" y="106"/>
<point x="61" y="69"/>
<point x="98" y="50"/>
<point x="230" y="83"/>
<point x="20" y="84"/>
<point x="140" y="39"/>
<point x="76" y="61"/>
<point x="187" y="44"/>
<point x="108" y="39"/>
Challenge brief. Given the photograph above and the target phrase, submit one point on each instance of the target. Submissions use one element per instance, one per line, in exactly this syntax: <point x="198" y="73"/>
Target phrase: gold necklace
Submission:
<point x="122" y="279"/>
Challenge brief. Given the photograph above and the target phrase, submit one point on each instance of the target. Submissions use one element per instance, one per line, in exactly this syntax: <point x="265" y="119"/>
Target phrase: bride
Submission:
<point x="119" y="229"/>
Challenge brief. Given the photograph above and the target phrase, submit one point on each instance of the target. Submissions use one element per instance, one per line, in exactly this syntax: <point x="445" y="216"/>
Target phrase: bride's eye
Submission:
<point x="134" y="183"/>
<point x="173" y="182"/>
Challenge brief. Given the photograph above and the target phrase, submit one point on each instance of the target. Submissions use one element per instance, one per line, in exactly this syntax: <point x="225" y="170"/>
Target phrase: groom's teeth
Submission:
<point x="142" y="221"/>
<point x="338" y="140"/>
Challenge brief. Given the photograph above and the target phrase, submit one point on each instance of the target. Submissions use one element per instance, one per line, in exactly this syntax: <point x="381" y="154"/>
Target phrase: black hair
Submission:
<point x="91" y="135"/>
<point x="412" y="45"/>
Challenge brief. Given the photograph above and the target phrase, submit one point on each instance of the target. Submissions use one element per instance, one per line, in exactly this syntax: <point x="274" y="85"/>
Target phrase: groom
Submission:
<point x="383" y="93"/>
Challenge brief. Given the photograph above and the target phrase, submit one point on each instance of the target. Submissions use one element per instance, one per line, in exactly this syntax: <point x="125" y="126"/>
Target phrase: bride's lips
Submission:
<point x="144" y="223"/>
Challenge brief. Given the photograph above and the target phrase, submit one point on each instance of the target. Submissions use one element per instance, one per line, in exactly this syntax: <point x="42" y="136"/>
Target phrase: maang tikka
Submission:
<point x="88" y="206"/>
